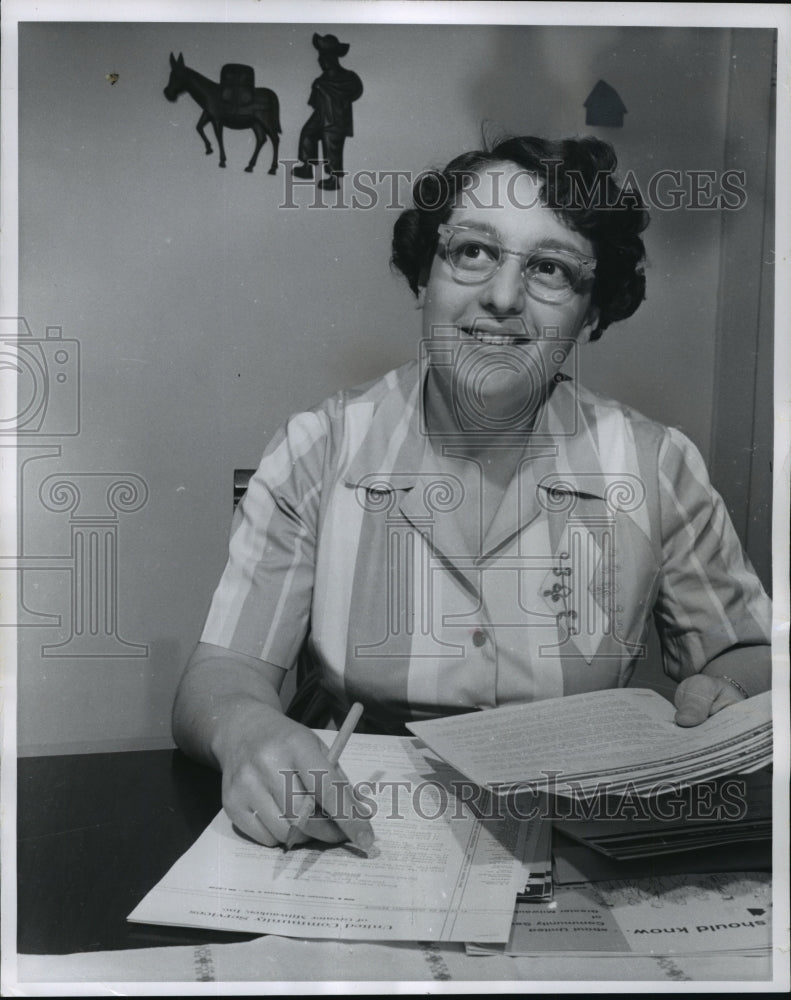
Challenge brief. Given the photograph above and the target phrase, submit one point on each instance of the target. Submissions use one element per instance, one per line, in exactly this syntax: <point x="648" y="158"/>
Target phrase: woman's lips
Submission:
<point x="498" y="335"/>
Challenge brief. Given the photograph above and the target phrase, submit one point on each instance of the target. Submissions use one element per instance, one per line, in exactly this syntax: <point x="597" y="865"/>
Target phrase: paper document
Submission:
<point x="671" y="915"/>
<point x="437" y="871"/>
<point x="613" y="740"/>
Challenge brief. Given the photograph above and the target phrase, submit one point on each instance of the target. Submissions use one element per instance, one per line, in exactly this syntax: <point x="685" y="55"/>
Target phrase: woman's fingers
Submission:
<point x="698" y="697"/>
<point x="269" y="824"/>
<point x="255" y="822"/>
<point x="268" y="786"/>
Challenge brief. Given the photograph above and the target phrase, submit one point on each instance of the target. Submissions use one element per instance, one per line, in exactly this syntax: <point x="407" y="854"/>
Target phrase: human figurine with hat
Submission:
<point x="331" y="98"/>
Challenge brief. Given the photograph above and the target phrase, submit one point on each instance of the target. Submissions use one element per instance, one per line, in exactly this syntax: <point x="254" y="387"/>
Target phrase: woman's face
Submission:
<point x="507" y="343"/>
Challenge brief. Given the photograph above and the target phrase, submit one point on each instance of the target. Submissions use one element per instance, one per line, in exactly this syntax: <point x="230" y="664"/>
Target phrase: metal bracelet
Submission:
<point x="735" y="684"/>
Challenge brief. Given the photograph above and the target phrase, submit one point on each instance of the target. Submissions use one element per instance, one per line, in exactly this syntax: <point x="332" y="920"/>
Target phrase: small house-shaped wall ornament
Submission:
<point x="604" y="106"/>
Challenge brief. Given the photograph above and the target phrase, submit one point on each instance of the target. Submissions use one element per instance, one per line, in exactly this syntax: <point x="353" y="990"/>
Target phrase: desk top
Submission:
<point x="98" y="831"/>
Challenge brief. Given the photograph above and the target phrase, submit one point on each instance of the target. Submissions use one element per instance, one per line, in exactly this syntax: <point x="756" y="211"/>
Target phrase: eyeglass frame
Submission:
<point x="446" y="231"/>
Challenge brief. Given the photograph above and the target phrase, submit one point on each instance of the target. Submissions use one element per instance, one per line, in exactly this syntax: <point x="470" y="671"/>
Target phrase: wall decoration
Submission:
<point x="604" y="106"/>
<point x="331" y="97"/>
<point x="235" y="102"/>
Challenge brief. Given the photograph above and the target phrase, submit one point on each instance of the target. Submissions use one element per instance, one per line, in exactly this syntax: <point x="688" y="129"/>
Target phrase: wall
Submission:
<point x="205" y="312"/>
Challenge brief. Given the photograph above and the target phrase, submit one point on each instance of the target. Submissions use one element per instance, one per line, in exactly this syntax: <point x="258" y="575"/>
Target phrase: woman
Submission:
<point x="473" y="529"/>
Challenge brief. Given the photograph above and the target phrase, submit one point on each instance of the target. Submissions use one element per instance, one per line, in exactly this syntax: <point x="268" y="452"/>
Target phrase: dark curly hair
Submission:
<point x="577" y="182"/>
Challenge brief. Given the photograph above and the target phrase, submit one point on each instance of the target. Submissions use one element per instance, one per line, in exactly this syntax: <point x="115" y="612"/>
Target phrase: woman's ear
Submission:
<point x="589" y="325"/>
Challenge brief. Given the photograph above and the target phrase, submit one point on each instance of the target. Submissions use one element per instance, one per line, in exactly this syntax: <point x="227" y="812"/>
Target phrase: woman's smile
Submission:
<point x="507" y="333"/>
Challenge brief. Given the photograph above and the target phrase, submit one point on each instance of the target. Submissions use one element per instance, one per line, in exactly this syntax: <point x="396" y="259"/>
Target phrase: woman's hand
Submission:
<point x="732" y="676"/>
<point x="698" y="697"/>
<point x="269" y="764"/>
<point x="227" y="714"/>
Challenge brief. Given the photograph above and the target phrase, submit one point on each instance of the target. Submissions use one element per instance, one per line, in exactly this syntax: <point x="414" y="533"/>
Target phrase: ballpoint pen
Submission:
<point x="338" y="744"/>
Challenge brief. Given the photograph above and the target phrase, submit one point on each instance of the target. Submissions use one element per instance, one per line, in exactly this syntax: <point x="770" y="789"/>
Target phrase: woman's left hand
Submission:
<point x="703" y="695"/>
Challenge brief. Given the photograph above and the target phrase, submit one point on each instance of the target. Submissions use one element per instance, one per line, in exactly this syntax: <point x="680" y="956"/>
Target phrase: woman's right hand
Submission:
<point x="227" y="713"/>
<point x="269" y="764"/>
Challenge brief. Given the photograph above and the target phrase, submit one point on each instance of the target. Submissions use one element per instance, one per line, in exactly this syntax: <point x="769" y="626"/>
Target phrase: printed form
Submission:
<point x="437" y="872"/>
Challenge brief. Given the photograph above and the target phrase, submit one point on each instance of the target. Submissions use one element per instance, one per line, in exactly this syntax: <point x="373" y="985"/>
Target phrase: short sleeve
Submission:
<point x="710" y="598"/>
<point x="261" y="606"/>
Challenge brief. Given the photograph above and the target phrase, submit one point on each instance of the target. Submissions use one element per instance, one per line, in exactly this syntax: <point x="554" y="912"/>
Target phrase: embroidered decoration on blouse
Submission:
<point x="561" y="593"/>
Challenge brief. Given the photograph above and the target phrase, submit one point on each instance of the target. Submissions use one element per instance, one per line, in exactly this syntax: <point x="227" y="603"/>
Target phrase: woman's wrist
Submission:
<point x="735" y="684"/>
<point x="746" y="669"/>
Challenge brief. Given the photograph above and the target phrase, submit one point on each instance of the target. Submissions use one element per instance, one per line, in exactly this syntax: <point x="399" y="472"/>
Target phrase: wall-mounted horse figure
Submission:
<point x="232" y="103"/>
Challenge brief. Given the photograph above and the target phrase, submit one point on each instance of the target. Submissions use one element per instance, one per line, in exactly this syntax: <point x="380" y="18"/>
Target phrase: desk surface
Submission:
<point x="98" y="831"/>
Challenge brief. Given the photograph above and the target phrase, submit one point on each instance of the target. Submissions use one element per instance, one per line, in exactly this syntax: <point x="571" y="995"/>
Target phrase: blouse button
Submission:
<point x="478" y="637"/>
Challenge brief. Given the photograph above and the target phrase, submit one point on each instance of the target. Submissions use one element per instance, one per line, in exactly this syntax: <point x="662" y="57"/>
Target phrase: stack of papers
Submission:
<point x="574" y="862"/>
<point x="442" y="868"/>
<point x="605" y="742"/>
<point x="666" y="916"/>
<point x="734" y="810"/>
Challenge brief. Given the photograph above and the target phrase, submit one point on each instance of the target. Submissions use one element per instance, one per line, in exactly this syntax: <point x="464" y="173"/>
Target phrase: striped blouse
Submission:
<point x="357" y="545"/>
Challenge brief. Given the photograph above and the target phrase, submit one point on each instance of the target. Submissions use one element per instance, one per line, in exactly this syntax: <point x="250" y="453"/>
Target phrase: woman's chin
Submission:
<point x="501" y="401"/>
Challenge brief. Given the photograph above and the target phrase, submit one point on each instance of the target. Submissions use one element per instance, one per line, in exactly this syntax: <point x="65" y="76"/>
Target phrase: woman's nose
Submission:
<point x="504" y="292"/>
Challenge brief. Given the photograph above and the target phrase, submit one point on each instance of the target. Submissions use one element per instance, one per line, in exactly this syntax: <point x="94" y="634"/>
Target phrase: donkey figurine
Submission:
<point x="232" y="103"/>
